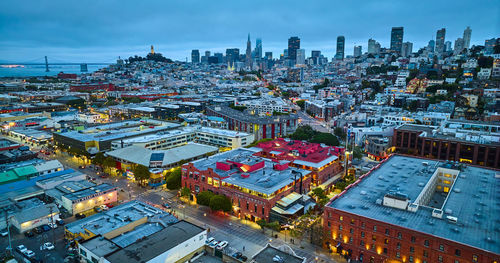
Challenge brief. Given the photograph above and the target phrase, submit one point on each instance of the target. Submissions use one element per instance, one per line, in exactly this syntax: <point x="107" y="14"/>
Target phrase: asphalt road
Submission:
<point x="317" y="125"/>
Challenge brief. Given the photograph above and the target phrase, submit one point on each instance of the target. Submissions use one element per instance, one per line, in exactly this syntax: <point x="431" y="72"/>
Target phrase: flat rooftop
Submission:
<point x="115" y="131"/>
<point x="265" y="180"/>
<point x="269" y="252"/>
<point x="156" y="244"/>
<point x="474" y="200"/>
<point x="114" y="218"/>
<point x="245" y="117"/>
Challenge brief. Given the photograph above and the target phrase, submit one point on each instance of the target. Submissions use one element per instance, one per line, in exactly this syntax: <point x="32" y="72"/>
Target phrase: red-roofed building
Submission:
<point x="322" y="160"/>
<point x="63" y="75"/>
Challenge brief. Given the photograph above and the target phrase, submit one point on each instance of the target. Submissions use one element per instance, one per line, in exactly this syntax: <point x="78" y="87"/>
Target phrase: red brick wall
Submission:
<point x="409" y="239"/>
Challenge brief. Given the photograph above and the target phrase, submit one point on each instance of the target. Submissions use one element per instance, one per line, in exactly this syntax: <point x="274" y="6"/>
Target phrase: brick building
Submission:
<point x="261" y="127"/>
<point x="461" y="141"/>
<point x="416" y="210"/>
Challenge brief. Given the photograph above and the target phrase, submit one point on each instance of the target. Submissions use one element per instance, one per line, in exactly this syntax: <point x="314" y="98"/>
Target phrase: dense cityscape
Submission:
<point x="383" y="154"/>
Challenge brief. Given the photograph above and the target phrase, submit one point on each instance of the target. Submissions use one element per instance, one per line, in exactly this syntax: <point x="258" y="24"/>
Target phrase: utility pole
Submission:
<point x="346" y="162"/>
<point x="52" y="221"/>
<point x="9" y="248"/>
<point x="46" y="65"/>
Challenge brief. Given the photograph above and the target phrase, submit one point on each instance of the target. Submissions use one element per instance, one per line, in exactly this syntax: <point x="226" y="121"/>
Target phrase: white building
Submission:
<point x="484" y="73"/>
<point x="266" y="105"/>
<point x="89" y="118"/>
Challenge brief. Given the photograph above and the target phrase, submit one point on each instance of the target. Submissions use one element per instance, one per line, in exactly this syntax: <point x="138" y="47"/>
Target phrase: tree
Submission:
<point x="220" y="203"/>
<point x="301" y="104"/>
<point x="357" y="153"/>
<point x="326" y="138"/>
<point x="203" y="198"/>
<point x="262" y="223"/>
<point x="339" y="132"/>
<point x="109" y="162"/>
<point x="185" y="192"/>
<point x="141" y="173"/>
<point x="305" y="132"/>
<point x="174" y="180"/>
<point x="485" y="62"/>
<point x="412" y="106"/>
<point x="99" y="159"/>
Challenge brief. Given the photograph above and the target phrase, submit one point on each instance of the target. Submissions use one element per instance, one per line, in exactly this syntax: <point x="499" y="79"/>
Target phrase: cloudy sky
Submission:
<point x="102" y="30"/>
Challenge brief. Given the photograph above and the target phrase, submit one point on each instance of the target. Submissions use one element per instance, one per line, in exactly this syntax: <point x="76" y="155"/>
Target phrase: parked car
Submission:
<point x="104" y="207"/>
<point x="80" y="216"/>
<point x="243" y="258"/>
<point x="109" y="205"/>
<point x="21" y="248"/>
<point x="29" y="253"/>
<point x="222" y="245"/>
<point x="46" y="228"/>
<point x="166" y="205"/>
<point x="213" y="244"/>
<point x="29" y="233"/>
<point x="47" y="246"/>
<point x="53" y="225"/>
<point x="4" y="232"/>
<point x="81" y="166"/>
<point x="98" y="209"/>
<point x="38" y="230"/>
<point x="59" y="221"/>
<point x="209" y="240"/>
<point x="237" y="255"/>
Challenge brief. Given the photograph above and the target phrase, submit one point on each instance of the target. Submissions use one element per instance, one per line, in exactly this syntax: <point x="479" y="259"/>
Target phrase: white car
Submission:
<point x="213" y="244"/>
<point x="222" y="245"/>
<point x="21" y="248"/>
<point x="4" y="232"/>
<point x="53" y="225"/>
<point x="47" y="246"/>
<point x="104" y="207"/>
<point x="29" y="253"/>
<point x="209" y="240"/>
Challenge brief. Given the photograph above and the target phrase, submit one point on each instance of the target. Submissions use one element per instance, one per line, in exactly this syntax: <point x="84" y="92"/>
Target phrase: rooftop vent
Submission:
<point x="362" y="193"/>
<point x="448" y="211"/>
<point x="452" y="219"/>
<point x="437" y="213"/>
<point x="457" y="190"/>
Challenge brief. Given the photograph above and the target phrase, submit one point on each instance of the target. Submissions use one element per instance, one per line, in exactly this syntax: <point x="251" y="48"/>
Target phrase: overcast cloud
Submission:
<point x="102" y="30"/>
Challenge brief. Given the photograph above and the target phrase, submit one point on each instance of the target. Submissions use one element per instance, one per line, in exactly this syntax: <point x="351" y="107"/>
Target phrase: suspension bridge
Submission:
<point x="44" y="61"/>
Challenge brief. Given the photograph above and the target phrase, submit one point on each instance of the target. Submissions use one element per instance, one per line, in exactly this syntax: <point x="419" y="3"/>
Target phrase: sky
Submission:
<point x="101" y="30"/>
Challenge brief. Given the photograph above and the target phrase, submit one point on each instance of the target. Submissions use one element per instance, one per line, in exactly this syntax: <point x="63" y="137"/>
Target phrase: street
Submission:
<point x="317" y="125"/>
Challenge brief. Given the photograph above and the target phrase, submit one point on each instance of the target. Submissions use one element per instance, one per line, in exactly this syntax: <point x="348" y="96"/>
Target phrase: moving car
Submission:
<point x="59" y="221"/>
<point x="47" y="246"/>
<point x="222" y="245"/>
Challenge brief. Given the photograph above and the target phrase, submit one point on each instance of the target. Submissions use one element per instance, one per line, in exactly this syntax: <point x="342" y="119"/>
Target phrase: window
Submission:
<point x="426" y="243"/>
<point x="398" y="255"/>
<point x="362" y="234"/>
<point x="441" y="247"/>
<point x="361" y="243"/>
<point x="413" y="239"/>
<point x="374" y="228"/>
<point x="374" y="238"/>
<point x="247" y="206"/>
<point x="352" y="221"/>
<point x="440" y="258"/>
<point x="400" y="236"/>
<point x="398" y="245"/>
<point x="410" y="259"/>
<point x="351" y="230"/>
<point x="350" y="240"/>
<point x="387" y="231"/>
<point x="456" y="261"/>
<point x="362" y="224"/>
<point x="386" y="241"/>
<point x="385" y="251"/>
<point x="328" y="223"/>
<point x="412" y="250"/>
<point x="340" y="227"/>
<point x="255" y="208"/>
<point x="458" y="252"/>
<point x="474" y="258"/>
<point x="426" y="254"/>
<point x="264" y="212"/>
<point x="83" y="252"/>
<point x="341" y="218"/>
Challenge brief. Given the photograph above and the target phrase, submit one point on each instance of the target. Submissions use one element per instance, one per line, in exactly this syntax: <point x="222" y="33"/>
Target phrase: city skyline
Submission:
<point x="31" y="33"/>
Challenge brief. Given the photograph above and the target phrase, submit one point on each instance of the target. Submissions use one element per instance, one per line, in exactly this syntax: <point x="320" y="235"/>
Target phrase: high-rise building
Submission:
<point x="371" y="46"/>
<point x="467" y="36"/>
<point x="397" y="39"/>
<point x="258" y="48"/>
<point x="269" y="55"/>
<point x="340" y="48"/>
<point x="406" y="49"/>
<point x="248" y="58"/>
<point x="315" y="55"/>
<point x="431" y="46"/>
<point x="489" y="45"/>
<point x="195" y="56"/>
<point x="232" y="55"/>
<point x="293" y="45"/>
<point x="357" y="51"/>
<point x="440" y="36"/>
<point x="459" y="46"/>
<point x="447" y="46"/>
<point x="220" y="57"/>
<point x="301" y="56"/>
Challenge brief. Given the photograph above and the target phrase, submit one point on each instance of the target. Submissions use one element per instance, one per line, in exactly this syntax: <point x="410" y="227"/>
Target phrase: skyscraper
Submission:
<point x="406" y="49"/>
<point x="195" y="56"/>
<point x="258" y="48"/>
<point x="340" y="48"/>
<point x="397" y="39"/>
<point x="232" y="55"/>
<point x="447" y="46"/>
<point x="489" y="45"/>
<point x="459" y="46"/>
<point x="301" y="56"/>
<point x="440" y="36"/>
<point x="467" y="36"/>
<point x="357" y="51"/>
<point x="373" y="46"/>
<point x="431" y="46"/>
<point x="248" y="58"/>
<point x="269" y="55"/>
<point x="293" y="45"/>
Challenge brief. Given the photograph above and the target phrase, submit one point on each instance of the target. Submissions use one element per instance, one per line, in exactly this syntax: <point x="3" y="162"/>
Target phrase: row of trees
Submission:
<point x="307" y="133"/>
<point x="214" y="201"/>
